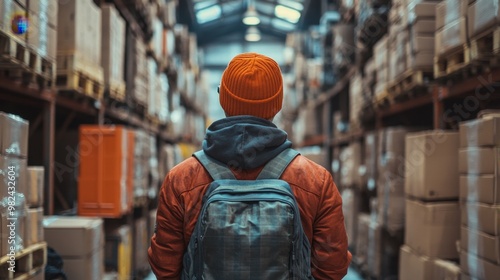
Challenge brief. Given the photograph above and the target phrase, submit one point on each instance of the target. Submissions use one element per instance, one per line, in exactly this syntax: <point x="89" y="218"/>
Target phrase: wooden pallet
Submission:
<point x="382" y="99"/>
<point x="80" y="83"/>
<point x="410" y="83"/>
<point x="452" y="62"/>
<point x="75" y="73"/>
<point x="20" y="62"/>
<point x="28" y="262"/>
<point x="485" y="46"/>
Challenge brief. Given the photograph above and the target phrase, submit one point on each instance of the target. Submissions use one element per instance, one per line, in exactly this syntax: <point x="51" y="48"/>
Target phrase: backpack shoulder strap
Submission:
<point x="275" y="167"/>
<point x="216" y="169"/>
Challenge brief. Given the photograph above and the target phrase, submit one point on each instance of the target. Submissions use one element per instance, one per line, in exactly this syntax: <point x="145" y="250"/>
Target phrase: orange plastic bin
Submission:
<point x="104" y="184"/>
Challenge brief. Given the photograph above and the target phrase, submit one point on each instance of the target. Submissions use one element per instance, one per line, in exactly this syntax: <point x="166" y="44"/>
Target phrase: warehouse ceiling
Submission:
<point x="212" y="19"/>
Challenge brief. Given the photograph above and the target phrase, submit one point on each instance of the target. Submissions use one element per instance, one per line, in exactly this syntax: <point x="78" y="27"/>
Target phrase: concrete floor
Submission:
<point x="351" y="275"/>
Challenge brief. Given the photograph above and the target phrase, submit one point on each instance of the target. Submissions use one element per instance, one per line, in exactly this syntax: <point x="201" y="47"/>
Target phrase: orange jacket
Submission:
<point x="318" y="198"/>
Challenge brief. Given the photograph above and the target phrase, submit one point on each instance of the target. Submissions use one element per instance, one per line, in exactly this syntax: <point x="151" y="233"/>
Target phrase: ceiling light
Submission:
<point x="251" y="17"/>
<point x="253" y="34"/>
<point x="287" y="13"/>
<point x="208" y="14"/>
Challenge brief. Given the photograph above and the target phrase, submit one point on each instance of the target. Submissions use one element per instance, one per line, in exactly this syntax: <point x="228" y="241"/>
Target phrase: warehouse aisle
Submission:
<point x="351" y="275"/>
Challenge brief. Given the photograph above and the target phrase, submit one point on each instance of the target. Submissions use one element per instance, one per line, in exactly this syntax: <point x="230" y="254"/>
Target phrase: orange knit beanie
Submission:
<point x="251" y="85"/>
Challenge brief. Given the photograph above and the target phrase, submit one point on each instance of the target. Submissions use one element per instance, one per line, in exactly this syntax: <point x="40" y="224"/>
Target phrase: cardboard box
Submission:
<point x="477" y="267"/>
<point x="47" y="8"/>
<point x="392" y="142"/>
<point x="392" y="213"/>
<point x="51" y="43"/>
<point x="414" y="266"/>
<point x="431" y="169"/>
<point x="370" y="157"/>
<point x="34" y="226"/>
<point x="481" y="244"/>
<point x="79" y="30"/>
<point x="61" y="232"/>
<point x="113" y="45"/>
<point x="481" y="217"/>
<point x="421" y="43"/>
<point x="35" y="176"/>
<point x="478" y="160"/>
<point x="424" y="26"/>
<point x="13" y="135"/>
<point x="481" y="15"/>
<point x="432" y="229"/>
<point x="451" y="36"/>
<point x="361" y="248"/>
<point x="380" y="52"/>
<point x="483" y="132"/>
<point x="445" y="270"/>
<point x="350" y="162"/>
<point x="420" y="60"/>
<point x="374" y="249"/>
<point x="448" y="11"/>
<point x="480" y="189"/>
<point x="87" y="267"/>
<point x="350" y="208"/>
<point x="421" y="10"/>
<point x="12" y="177"/>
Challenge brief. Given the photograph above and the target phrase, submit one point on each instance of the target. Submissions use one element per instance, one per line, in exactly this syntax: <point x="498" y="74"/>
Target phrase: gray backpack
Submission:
<point x="248" y="229"/>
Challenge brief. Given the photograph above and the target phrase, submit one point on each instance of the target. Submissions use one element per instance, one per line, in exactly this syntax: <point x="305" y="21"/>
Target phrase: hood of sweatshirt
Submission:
<point x="244" y="142"/>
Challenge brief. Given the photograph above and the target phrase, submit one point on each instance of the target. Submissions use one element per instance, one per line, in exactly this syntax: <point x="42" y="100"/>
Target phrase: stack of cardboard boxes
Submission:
<point x="113" y="51"/>
<point x="432" y="209"/>
<point x="451" y="42"/>
<point x="344" y="48"/>
<point x="42" y="30"/>
<point x="356" y="101"/>
<point x="13" y="183"/>
<point x="137" y="70"/>
<point x="41" y="33"/>
<point x="390" y="181"/>
<point x="411" y="38"/>
<point x="381" y="57"/>
<point x="80" y="243"/>
<point x="479" y="160"/>
<point x="483" y="17"/>
<point x="420" y="24"/>
<point x="13" y="166"/>
<point x="79" y="39"/>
